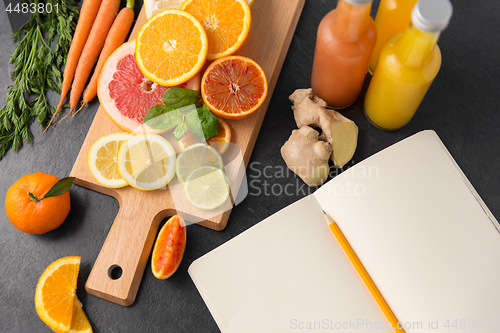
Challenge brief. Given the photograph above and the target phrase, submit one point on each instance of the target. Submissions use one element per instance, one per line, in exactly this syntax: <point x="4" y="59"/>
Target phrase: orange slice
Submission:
<point x="221" y="141"/>
<point x="234" y="87"/>
<point x="79" y="322"/>
<point x="169" y="248"/>
<point x="55" y="297"/>
<point x="171" y="47"/>
<point x="227" y="23"/>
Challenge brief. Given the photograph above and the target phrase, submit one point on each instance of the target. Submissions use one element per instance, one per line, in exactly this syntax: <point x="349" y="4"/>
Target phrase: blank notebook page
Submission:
<point x="285" y="274"/>
<point x="423" y="234"/>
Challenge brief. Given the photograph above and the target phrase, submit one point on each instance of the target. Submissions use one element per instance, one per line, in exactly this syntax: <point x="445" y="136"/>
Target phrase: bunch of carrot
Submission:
<point x="99" y="32"/>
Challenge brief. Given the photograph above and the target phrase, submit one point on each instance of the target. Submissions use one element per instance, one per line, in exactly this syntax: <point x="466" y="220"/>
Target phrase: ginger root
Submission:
<point x="307" y="156"/>
<point x="306" y="152"/>
<point x="340" y="132"/>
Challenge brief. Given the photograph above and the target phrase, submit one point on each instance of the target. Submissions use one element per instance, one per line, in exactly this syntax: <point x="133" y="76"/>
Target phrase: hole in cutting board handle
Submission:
<point x="115" y="272"/>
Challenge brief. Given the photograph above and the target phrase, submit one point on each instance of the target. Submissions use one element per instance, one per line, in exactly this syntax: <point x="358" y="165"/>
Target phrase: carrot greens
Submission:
<point x="36" y="70"/>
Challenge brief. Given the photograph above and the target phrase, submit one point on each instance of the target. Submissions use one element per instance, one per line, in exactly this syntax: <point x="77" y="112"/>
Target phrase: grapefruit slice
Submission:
<point x="234" y="87"/>
<point x="126" y="94"/>
<point x="169" y="248"/>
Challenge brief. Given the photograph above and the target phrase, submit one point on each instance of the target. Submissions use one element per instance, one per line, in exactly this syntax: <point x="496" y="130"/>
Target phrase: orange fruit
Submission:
<point x="55" y="297"/>
<point x="32" y="216"/>
<point x="169" y="248"/>
<point x="171" y="47"/>
<point x="220" y="141"/>
<point x="126" y="94"/>
<point x="226" y="22"/>
<point x="234" y="87"/>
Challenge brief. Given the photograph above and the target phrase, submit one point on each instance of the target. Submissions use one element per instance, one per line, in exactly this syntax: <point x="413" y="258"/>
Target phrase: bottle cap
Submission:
<point x="358" y="2"/>
<point x="431" y="15"/>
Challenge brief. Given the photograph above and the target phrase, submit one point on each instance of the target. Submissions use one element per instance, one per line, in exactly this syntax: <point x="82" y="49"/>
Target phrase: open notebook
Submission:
<point x="422" y="232"/>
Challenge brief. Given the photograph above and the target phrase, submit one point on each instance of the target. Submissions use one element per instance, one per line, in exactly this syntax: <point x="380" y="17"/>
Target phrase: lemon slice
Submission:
<point x="146" y="161"/>
<point x="155" y="6"/>
<point x="196" y="155"/>
<point x="103" y="158"/>
<point x="207" y="187"/>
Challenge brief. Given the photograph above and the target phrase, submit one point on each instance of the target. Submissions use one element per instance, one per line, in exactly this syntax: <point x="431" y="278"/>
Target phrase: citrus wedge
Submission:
<point x="55" y="294"/>
<point x="126" y="94"/>
<point x="171" y="47"/>
<point x="146" y="161"/>
<point x="194" y="156"/>
<point x="153" y="7"/>
<point x="234" y="87"/>
<point x="103" y="160"/>
<point x="221" y="141"/>
<point x="169" y="248"/>
<point x="226" y="22"/>
<point x="79" y="322"/>
<point x="207" y="187"/>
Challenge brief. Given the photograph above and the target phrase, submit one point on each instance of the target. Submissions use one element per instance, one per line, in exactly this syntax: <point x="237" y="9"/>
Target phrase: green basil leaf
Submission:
<point x="180" y="131"/>
<point x="162" y="117"/>
<point x="194" y="125"/>
<point x="179" y="97"/>
<point x="60" y="187"/>
<point x="157" y="110"/>
<point x="209" y="122"/>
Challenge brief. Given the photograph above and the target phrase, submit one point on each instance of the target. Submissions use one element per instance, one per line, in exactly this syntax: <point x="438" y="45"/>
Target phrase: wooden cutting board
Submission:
<point x="130" y="239"/>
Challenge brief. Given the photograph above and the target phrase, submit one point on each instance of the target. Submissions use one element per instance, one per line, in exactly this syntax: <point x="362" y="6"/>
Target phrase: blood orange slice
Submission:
<point x="126" y="94"/>
<point x="169" y="248"/>
<point x="234" y="87"/>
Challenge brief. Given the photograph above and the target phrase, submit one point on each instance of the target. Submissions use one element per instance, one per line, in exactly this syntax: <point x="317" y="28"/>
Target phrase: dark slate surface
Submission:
<point x="462" y="106"/>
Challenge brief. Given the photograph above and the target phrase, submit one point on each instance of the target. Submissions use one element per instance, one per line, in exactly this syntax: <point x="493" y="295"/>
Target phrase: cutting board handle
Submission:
<point x="118" y="270"/>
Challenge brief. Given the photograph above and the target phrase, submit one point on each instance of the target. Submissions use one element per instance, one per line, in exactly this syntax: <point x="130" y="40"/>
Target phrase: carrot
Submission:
<point x="104" y="20"/>
<point x="88" y="14"/>
<point x="116" y="36"/>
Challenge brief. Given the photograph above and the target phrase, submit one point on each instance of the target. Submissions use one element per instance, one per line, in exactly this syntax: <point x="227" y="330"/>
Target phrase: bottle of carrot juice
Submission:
<point x="407" y="66"/>
<point x="393" y="16"/>
<point x="344" y="44"/>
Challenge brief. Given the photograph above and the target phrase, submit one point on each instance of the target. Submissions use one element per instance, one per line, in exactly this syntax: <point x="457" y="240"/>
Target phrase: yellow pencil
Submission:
<point x="363" y="274"/>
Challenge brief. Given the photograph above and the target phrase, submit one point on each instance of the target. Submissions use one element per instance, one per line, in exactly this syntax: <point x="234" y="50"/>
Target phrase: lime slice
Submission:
<point x="207" y="187"/>
<point x="146" y="161"/>
<point x="103" y="158"/>
<point x="196" y="155"/>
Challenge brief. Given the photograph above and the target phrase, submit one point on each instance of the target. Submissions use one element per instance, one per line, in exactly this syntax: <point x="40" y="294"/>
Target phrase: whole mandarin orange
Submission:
<point x="25" y="209"/>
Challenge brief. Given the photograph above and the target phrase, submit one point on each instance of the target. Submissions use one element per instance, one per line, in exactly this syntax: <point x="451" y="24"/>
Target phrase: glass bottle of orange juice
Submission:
<point x="407" y="66"/>
<point x="344" y="44"/>
<point x="393" y="16"/>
